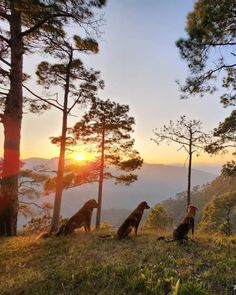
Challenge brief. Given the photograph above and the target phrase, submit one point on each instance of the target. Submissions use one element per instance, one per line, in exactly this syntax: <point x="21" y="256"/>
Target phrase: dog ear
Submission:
<point x="94" y="203"/>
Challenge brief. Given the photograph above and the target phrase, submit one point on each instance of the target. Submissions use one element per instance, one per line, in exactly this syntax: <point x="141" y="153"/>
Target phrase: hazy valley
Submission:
<point x="155" y="183"/>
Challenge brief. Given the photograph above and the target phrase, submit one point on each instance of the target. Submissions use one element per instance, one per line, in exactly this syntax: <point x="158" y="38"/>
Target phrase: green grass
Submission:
<point x="84" y="264"/>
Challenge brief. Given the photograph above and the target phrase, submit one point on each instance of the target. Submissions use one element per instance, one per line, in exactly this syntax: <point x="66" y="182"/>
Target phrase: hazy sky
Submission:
<point x="139" y="62"/>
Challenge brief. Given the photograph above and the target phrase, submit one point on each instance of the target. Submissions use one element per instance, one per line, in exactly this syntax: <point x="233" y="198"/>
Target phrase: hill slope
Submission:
<point x="86" y="265"/>
<point x="200" y="196"/>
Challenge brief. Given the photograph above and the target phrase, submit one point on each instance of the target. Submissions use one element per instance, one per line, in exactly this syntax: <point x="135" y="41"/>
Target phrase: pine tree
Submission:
<point x="79" y="86"/>
<point x="26" y="21"/>
<point x="189" y="135"/>
<point x="209" y="50"/>
<point x="107" y="128"/>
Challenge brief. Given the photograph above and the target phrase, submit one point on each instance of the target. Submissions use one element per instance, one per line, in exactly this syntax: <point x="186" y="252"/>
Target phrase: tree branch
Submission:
<point x="26" y="181"/>
<point x="210" y="72"/>
<point x="5" y="62"/>
<point x="31" y="203"/>
<point x="45" y="100"/>
<point x="43" y="21"/>
<point x="5" y="39"/>
<point x="166" y="137"/>
<point x="220" y="44"/>
<point x="75" y="102"/>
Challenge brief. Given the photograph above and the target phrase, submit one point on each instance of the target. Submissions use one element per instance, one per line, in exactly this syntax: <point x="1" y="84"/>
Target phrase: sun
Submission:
<point x="79" y="157"/>
<point x="82" y="156"/>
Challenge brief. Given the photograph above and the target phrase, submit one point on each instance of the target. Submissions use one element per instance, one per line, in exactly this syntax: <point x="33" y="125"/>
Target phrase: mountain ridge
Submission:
<point x="156" y="182"/>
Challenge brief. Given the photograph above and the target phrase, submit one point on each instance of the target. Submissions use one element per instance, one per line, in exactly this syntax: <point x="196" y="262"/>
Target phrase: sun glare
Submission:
<point x="79" y="157"/>
<point x="82" y="156"/>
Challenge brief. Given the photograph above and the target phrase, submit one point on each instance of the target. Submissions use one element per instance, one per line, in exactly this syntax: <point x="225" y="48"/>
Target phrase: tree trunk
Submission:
<point x="61" y="162"/>
<point x="12" y="128"/>
<point x="189" y="173"/>
<point x="100" y="188"/>
<point x="59" y="179"/>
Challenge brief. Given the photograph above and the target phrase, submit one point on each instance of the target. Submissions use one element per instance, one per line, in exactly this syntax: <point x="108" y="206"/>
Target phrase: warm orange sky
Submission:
<point x="139" y="62"/>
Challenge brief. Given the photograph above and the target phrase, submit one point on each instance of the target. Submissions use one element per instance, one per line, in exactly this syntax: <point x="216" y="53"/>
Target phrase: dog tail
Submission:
<point x="106" y="237"/>
<point x="162" y="238"/>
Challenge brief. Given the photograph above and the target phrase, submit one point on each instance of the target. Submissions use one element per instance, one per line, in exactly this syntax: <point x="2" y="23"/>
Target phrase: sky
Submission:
<point x="140" y="64"/>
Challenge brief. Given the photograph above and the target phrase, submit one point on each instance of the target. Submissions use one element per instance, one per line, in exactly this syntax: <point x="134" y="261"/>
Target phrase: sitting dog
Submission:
<point x="132" y="221"/>
<point x="187" y="224"/>
<point x="79" y="219"/>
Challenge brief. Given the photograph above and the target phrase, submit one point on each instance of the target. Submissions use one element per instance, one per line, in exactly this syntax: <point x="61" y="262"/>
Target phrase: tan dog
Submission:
<point x="79" y="219"/>
<point x="132" y="221"/>
<point x="187" y="224"/>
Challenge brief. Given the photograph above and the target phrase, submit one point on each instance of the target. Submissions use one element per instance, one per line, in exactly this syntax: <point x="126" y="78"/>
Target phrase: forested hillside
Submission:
<point x="200" y="196"/>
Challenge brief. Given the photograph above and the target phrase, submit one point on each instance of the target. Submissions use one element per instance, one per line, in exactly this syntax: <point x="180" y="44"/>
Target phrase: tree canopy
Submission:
<point x="111" y="120"/>
<point x="219" y="215"/>
<point x="79" y="86"/>
<point x="24" y="25"/>
<point x="209" y="50"/>
<point x="107" y="128"/>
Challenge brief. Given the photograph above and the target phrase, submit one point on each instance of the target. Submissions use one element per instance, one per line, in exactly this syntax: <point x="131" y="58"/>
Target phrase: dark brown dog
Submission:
<point x="132" y="221"/>
<point x="81" y="218"/>
<point x="187" y="224"/>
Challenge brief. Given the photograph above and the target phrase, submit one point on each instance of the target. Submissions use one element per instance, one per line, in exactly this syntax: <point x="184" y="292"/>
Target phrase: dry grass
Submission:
<point x="84" y="264"/>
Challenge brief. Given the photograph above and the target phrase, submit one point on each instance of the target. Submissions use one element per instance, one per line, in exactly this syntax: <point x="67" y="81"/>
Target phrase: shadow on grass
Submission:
<point x="84" y="264"/>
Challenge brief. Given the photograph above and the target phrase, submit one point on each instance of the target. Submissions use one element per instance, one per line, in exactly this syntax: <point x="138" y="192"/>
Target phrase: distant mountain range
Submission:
<point x="155" y="183"/>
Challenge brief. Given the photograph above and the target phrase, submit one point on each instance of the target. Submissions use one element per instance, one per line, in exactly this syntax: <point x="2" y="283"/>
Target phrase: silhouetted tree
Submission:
<point x="79" y="86"/>
<point x="189" y="135"/>
<point x="209" y="50"/>
<point x="22" y="23"/>
<point x="108" y="127"/>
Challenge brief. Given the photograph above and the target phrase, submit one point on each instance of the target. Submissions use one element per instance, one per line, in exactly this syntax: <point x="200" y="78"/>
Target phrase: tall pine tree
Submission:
<point x="79" y="86"/>
<point x="107" y="128"/>
<point x="209" y="50"/>
<point x="22" y="23"/>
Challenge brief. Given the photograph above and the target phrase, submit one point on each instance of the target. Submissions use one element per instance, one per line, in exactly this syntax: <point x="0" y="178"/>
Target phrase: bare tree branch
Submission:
<point x="5" y="39"/>
<point x="75" y="102"/>
<point x="31" y="203"/>
<point x="45" y="100"/>
<point x="5" y="61"/>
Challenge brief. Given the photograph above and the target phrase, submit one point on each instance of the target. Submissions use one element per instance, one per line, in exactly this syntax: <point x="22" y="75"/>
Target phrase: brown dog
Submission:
<point x="187" y="224"/>
<point x="79" y="219"/>
<point x="132" y="221"/>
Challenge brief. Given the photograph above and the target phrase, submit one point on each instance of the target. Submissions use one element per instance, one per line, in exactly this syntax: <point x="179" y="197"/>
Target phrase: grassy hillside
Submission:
<point x="84" y="264"/>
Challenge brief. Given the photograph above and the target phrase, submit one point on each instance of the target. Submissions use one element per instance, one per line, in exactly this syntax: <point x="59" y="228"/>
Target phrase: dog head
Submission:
<point x="192" y="209"/>
<point x="91" y="204"/>
<point x="144" y="205"/>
